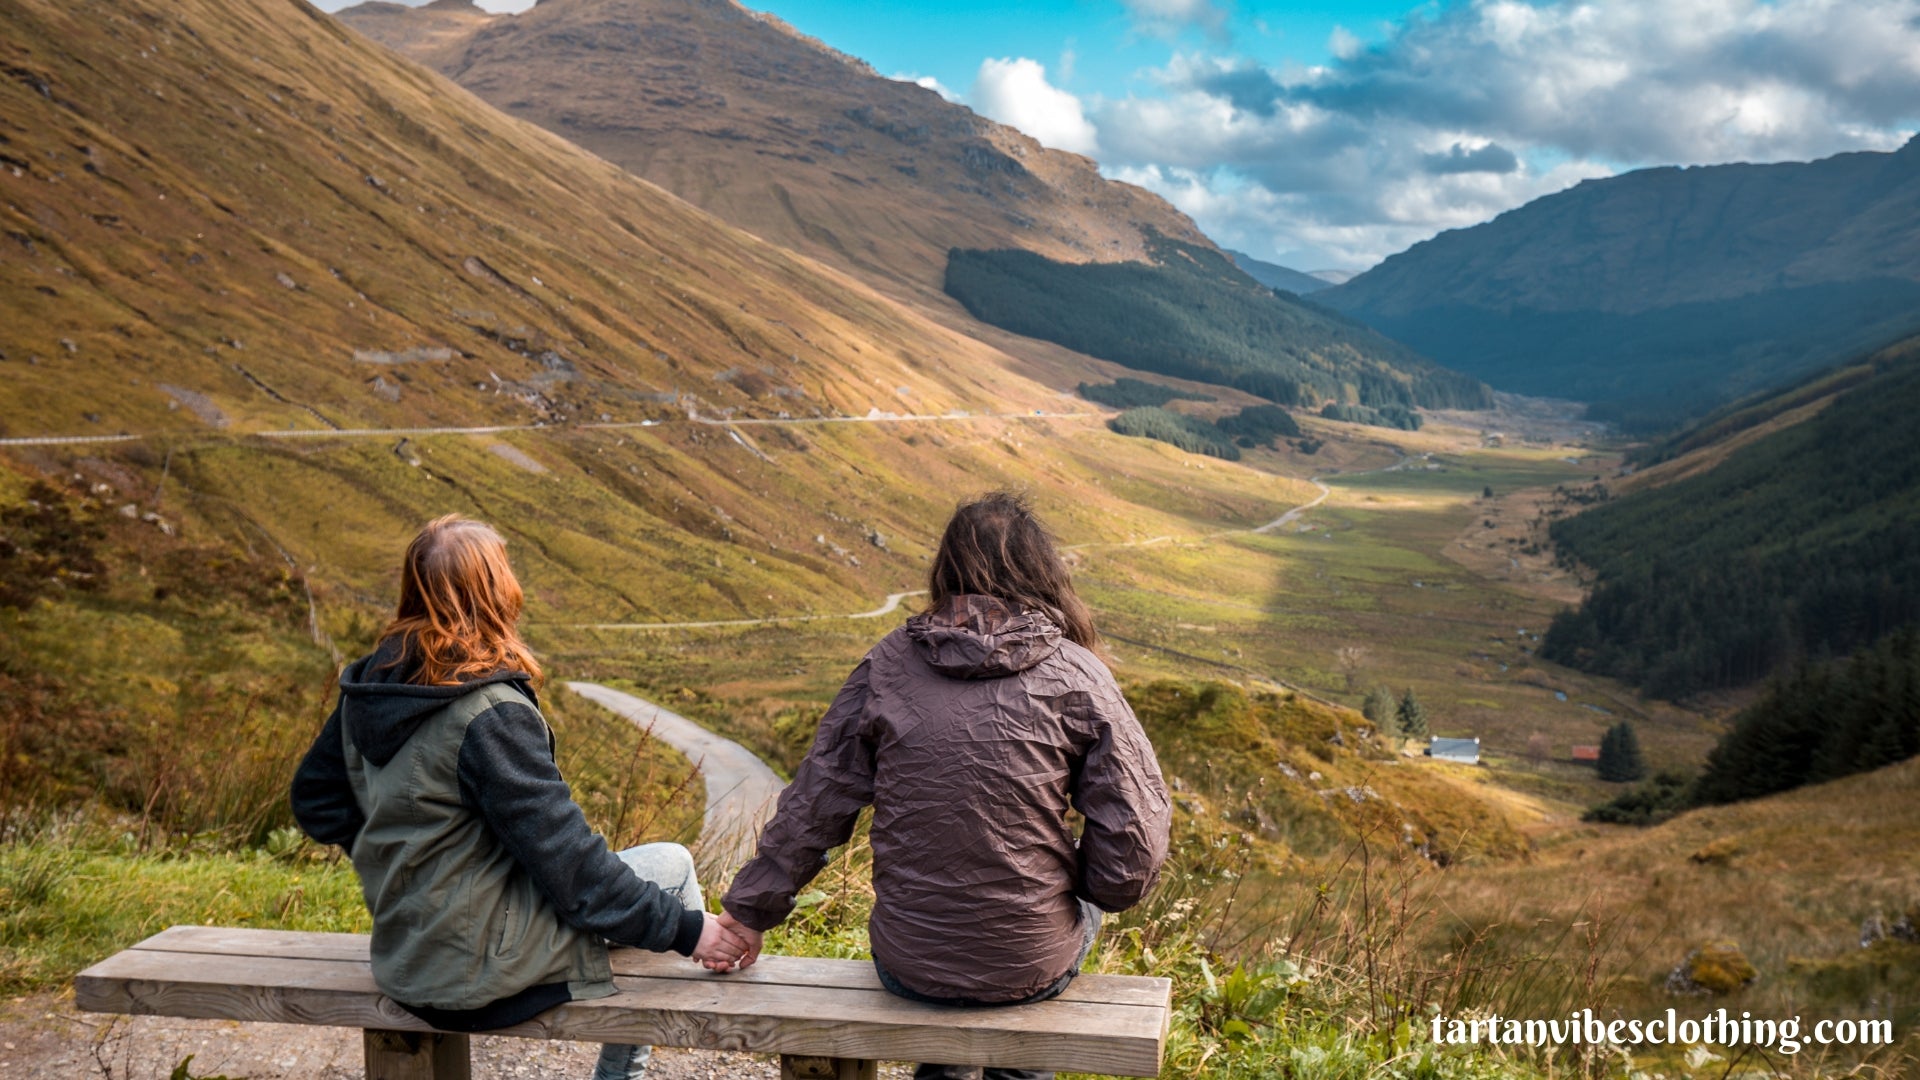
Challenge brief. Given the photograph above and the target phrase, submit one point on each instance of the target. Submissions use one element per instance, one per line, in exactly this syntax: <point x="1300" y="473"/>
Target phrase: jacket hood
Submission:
<point x="382" y="710"/>
<point x="982" y="637"/>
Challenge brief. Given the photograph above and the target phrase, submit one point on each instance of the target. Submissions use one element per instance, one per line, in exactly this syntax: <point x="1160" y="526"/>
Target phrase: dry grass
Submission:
<point x="1790" y="879"/>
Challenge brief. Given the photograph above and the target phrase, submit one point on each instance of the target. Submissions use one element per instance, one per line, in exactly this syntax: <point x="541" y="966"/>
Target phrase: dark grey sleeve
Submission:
<point x="508" y="777"/>
<point x="1119" y="791"/>
<point x="322" y="795"/>
<point x="815" y="813"/>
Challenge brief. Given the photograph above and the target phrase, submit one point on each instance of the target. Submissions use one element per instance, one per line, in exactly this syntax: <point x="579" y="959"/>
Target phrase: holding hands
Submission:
<point x="726" y="945"/>
<point x="748" y="936"/>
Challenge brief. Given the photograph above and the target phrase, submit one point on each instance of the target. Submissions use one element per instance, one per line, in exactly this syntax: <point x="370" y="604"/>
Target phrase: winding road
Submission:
<point x="1292" y="515"/>
<point x="892" y="605"/>
<point x="875" y="417"/>
<point x="741" y="789"/>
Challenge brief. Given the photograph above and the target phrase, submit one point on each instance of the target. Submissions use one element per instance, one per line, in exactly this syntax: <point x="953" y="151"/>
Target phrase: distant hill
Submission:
<point x="1191" y="313"/>
<point x="1274" y="276"/>
<point x="738" y="113"/>
<point x="434" y="34"/>
<point x="1797" y="536"/>
<point x="1662" y="293"/>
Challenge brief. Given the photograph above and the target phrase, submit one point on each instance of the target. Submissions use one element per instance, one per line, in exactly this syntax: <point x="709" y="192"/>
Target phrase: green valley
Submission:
<point x="275" y="296"/>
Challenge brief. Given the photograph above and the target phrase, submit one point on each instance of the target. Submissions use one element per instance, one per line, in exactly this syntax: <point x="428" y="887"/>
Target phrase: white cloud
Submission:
<point x="1343" y="44"/>
<point x="929" y="82"/>
<point x="1475" y="108"/>
<point x="1167" y="18"/>
<point x="1016" y="92"/>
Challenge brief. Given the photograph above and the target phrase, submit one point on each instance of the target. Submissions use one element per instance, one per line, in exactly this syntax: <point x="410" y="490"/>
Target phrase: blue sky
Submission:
<point x="1110" y="51"/>
<point x="1334" y="134"/>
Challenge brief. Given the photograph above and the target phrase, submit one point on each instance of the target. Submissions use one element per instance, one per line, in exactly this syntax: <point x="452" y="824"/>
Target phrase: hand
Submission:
<point x="747" y="934"/>
<point x="719" y="948"/>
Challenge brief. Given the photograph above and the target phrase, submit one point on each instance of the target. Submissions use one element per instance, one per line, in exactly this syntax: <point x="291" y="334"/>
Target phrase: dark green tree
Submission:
<point x="1379" y="708"/>
<point x="1620" y="759"/>
<point x="1410" y="720"/>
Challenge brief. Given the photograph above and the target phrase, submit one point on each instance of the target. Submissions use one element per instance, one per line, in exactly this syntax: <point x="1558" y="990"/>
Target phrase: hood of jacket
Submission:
<point x="982" y="637"/>
<point x="382" y="710"/>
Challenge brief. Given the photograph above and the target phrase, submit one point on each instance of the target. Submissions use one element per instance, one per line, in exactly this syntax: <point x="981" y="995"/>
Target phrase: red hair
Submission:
<point x="459" y="603"/>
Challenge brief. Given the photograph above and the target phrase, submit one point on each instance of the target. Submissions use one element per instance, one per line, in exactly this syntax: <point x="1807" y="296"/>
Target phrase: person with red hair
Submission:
<point x="492" y="898"/>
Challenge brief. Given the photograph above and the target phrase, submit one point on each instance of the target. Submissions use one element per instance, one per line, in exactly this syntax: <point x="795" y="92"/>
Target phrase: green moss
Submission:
<point x="1720" y="968"/>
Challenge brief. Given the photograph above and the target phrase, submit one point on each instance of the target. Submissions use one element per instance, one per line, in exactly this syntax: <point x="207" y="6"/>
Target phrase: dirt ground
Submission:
<point x="42" y="1036"/>
<point x="1507" y="541"/>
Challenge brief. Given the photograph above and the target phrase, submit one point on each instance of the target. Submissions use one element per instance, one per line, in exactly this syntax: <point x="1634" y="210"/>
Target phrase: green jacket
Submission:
<point x="490" y="894"/>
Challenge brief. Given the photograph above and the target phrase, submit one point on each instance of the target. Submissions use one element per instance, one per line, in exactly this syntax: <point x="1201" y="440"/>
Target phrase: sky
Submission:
<point x="1330" y="135"/>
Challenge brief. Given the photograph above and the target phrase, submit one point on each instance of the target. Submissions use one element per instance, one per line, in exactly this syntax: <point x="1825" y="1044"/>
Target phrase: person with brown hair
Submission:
<point x="972" y="730"/>
<point x="492" y="898"/>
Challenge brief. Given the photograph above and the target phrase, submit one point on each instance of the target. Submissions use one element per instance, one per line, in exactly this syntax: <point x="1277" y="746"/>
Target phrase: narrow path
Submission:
<point x="741" y="789"/>
<point x="877" y="417"/>
<point x="1292" y="515"/>
<point x="495" y="429"/>
<point x="892" y="605"/>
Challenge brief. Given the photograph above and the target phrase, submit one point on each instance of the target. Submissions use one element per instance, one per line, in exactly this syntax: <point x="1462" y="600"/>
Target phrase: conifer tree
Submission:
<point x="1379" y="709"/>
<point x="1620" y="759"/>
<point x="1410" y="720"/>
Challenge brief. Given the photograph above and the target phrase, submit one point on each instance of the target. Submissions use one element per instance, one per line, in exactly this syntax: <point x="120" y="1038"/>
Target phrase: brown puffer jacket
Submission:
<point x="971" y="730"/>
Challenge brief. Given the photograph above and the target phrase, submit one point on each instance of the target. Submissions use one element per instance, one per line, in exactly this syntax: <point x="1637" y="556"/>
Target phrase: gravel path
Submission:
<point x="741" y="789"/>
<point x="42" y="1036"/>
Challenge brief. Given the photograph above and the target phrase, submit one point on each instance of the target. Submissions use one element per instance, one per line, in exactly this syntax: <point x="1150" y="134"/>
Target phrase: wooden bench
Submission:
<point x="827" y="1019"/>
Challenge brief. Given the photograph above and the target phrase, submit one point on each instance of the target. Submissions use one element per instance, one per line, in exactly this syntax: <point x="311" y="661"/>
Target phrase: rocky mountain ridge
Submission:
<point x="779" y="134"/>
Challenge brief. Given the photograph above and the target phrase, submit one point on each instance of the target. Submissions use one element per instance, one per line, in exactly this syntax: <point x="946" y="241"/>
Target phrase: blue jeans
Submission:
<point x="1089" y="929"/>
<point x="670" y="866"/>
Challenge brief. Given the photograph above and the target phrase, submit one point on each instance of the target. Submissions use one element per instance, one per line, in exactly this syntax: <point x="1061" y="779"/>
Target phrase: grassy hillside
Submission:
<point x="1798" y="544"/>
<point x="1192" y="314"/>
<point x="328" y="236"/>
<point x="156" y="692"/>
<point x="289" y="229"/>
<point x="1789" y="879"/>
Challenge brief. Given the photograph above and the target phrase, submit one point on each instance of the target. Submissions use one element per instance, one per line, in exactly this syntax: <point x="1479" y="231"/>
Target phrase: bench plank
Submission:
<point x="727" y="1012"/>
<point x="783" y="970"/>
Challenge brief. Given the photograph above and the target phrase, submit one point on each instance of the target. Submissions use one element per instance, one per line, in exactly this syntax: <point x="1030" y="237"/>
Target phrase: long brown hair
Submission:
<point x="995" y="546"/>
<point x="459" y="602"/>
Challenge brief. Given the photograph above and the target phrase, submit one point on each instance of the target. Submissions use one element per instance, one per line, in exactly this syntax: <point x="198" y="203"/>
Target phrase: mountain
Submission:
<point x="1274" y="276"/>
<point x="1191" y="313"/>
<point x="1662" y="293"/>
<point x="811" y="149"/>
<point x="238" y="233"/>
<point x="773" y="131"/>
<point x="434" y="34"/>
<point x="1789" y="528"/>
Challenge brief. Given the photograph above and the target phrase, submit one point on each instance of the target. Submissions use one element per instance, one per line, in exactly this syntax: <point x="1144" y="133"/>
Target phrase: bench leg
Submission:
<point x="794" y="1067"/>
<point x="417" y="1055"/>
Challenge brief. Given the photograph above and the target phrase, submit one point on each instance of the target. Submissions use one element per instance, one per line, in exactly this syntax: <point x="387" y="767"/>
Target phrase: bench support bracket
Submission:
<point x="417" y="1055"/>
<point x="795" y="1067"/>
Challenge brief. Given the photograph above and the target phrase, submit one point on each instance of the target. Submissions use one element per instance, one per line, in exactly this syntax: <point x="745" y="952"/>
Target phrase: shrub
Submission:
<point x="1189" y="433"/>
<point x="1660" y="798"/>
<point x="1124" y="393"/>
